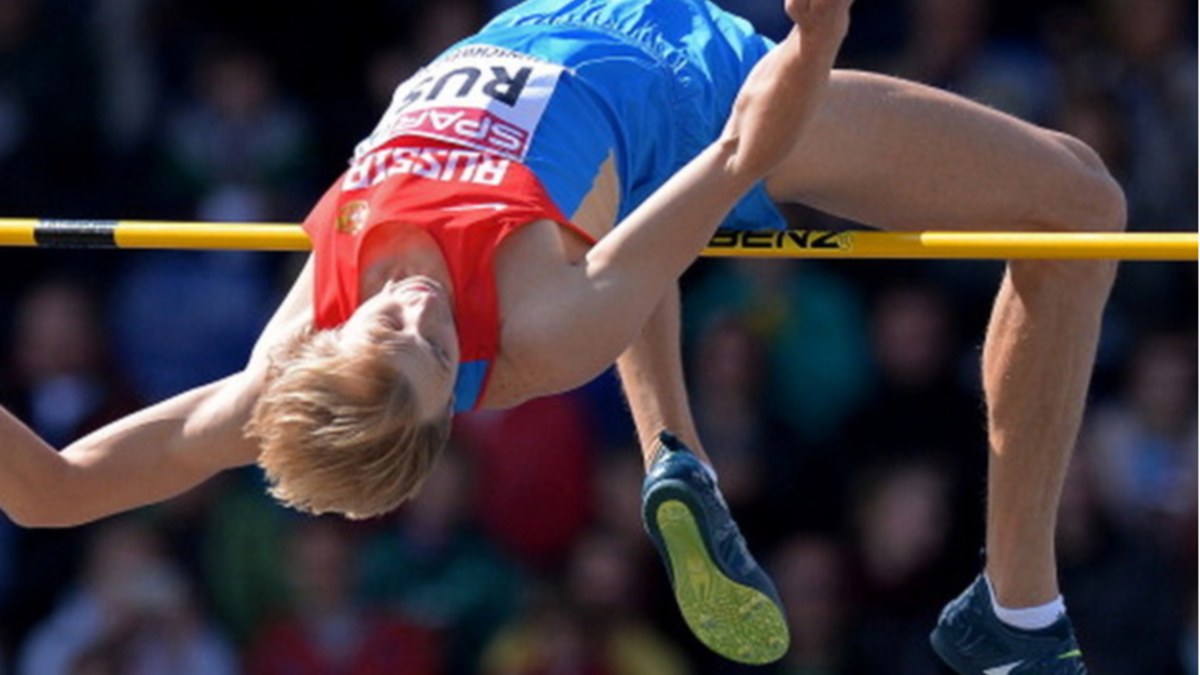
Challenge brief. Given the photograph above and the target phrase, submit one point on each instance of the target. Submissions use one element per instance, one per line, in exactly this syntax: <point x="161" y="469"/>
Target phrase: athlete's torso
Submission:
<point x="590" y="104"/>
<point x="469" y="202"/>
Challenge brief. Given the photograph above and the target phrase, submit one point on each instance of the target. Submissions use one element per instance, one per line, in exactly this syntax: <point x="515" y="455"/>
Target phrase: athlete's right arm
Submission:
<point x="144" y="458"/>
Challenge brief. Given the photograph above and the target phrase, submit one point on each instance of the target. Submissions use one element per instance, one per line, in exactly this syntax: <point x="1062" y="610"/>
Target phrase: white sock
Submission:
<point x="1028" y="618"/>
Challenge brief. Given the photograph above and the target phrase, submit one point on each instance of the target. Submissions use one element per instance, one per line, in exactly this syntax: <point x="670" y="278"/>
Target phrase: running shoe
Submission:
<point x="973" y="641"/>
<point x="726" y="599"/>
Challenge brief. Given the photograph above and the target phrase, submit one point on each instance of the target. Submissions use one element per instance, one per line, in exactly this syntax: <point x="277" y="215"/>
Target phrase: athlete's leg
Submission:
<point x="899" y="155"/>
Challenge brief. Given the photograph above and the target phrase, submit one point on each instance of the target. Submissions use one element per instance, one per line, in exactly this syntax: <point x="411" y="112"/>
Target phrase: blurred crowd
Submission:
<point x="839" y="400"/>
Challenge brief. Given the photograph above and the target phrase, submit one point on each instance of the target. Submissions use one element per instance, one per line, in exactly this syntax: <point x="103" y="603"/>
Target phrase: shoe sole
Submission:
<point x="734" y="620"/>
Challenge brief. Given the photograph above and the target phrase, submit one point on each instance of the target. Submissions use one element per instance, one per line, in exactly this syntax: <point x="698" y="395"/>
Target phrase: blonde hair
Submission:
<point x="339" y="428"/>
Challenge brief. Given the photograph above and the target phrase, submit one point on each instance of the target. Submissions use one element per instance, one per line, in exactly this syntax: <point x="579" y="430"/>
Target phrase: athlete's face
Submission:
<point x="414" y="320"/>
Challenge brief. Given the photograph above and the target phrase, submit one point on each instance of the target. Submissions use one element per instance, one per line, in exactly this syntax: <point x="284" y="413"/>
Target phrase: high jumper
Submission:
<point x="518" y="221"/>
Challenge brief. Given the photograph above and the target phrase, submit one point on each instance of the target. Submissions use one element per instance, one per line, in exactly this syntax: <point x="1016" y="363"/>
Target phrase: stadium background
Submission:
<point x="839" y="399"/>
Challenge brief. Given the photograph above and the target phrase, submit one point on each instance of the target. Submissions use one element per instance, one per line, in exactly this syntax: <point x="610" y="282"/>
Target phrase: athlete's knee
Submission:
<point x="1094" y="188"/>
<point x="1091" y="201"/>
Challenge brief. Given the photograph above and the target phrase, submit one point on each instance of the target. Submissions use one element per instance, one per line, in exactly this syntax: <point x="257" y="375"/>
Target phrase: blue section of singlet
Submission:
<point x="649" y="81"/>
<point x="469" y="384"/>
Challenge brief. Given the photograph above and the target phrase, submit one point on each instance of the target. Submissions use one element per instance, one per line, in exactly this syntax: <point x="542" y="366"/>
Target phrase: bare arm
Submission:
<point x="652" y="377"/>
<point x="146" y="457"/>
<point x="150" y="455"/>
<point x="586" y="318"/>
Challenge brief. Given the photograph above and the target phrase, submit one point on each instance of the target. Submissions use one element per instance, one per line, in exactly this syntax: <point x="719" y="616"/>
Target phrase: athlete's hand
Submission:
<point x="784" y="89"/>
<point x="820" y="19"/>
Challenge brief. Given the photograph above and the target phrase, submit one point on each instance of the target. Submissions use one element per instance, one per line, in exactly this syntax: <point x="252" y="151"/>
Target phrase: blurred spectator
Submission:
<point x="17" y="19"/>
<point x="328" y="632"/>
<point x="387" y="69"/>
<point x="949" y="46"/>
<point x="902" y="518"/>
<point x="47" y="95"/>
<point x="771" y="482"/>
<point x="63" y="385"/>
<point x="811" y="576"/>
<point x="726" y="393"/>
<point x="1144" y="442"/>
<point x="618" y="515"/>
<point x="434" y="566"/>
<point x="238" y="147"/>
<point x="549" y="638"/>
<point x="921" y="402"/>
<point x="243" y="550"/>
<point x="1099" y="561"/>
<point x="810" y="322"/>
<point x="1141" y="73"/>
<point x="603" y="578"/>
<point x="1189" y="650"/>
<point x="440" y="24"/>
<point x="1094" y="116"/>
<point x="133" y="613"/>
<point x="128" y="73"/>
<point x="184" y="318"/>
<point x="107" y="657"/>
<point x="535" y="461"/>
<point x="1097" y="116"/>
<point x="1155" y="71"/>
<point x="618" y="503"/>
<point x="922" y="405"/>
<point x="591" y="627"/>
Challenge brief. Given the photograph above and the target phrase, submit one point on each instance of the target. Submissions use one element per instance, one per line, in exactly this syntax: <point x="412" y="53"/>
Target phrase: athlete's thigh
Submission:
<point x="895" y="154"/>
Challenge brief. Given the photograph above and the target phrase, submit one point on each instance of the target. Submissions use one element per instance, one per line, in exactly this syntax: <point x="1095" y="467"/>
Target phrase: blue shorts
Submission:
<point x="651" y="82"/>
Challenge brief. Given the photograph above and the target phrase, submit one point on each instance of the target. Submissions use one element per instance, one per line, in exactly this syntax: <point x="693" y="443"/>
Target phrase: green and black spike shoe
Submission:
<point x="726" y="599"/>
<point x="972" y="640"/>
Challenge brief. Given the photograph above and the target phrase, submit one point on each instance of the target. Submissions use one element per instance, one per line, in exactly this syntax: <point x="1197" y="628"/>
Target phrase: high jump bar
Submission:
<point x="145" y="234"/>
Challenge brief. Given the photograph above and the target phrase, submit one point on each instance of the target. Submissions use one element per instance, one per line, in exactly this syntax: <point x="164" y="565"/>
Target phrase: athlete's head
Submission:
<point x="353" y="418"/>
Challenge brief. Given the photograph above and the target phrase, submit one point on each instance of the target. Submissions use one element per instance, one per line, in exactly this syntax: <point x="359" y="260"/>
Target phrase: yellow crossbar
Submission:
<point x="944" y="244"/>
<point x="727" y="243"/>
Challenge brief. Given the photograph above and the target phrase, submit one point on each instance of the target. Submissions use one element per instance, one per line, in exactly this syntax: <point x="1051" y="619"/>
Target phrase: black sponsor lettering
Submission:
<point x="471" y="77"/>
<point x="507" y="88"/>
<point x="798" y="237"/>
<point x="724" y="239"/>
<point x="810" y="239"/>
<point x="504" y="86"/>
<point x="778" y="239"/>
<point x="759" y="239"/>
<point x="418" y="90"/>
<point x="826" y="240"/>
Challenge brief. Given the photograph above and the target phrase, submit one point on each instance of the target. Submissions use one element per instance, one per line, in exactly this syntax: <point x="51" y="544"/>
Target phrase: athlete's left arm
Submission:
<point x="584" y="318"/>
